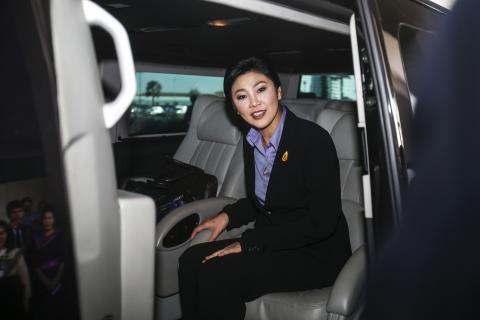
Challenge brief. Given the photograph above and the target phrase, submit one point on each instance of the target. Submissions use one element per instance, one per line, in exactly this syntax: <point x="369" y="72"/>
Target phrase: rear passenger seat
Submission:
<point x="338" y="118"/>
<point x="214" y="144"/>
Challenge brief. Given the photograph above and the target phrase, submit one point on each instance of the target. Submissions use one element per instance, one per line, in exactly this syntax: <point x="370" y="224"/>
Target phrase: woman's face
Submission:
<point x="48" y="221"/>
<point x="3" y="237"/>
<point x="256" y="99"/>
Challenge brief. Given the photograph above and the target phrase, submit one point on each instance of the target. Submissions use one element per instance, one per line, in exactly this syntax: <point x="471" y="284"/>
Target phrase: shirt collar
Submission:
<point x="254" y="137"/>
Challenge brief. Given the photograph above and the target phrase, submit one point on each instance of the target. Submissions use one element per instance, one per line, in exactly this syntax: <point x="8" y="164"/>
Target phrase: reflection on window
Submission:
<point x="163" y="103"/>
<point x="328" y="87"/>
<point x="413" y="47"/>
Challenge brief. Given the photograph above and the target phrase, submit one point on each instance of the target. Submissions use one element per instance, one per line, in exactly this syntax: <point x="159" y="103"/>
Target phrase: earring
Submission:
<point x="238" y="113"/>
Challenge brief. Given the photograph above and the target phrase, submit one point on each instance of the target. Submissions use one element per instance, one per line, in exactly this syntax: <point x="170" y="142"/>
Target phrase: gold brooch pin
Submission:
<point x="285" y="156"/>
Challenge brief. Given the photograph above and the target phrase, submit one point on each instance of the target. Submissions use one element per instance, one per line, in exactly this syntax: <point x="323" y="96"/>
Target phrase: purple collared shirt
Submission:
<point x="264" y="157"/>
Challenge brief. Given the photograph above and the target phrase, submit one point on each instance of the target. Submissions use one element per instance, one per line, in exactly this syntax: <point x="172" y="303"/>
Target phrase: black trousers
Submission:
<point x="219" y="288"/>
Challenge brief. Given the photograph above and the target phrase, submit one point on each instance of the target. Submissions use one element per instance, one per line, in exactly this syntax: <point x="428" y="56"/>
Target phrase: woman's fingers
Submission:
<point x="214" y="234"/>
<point x="211" y="256"/>
<point x="199" y="228"/>
<point x="216" y="226"/>
<point x="232" y="248"/>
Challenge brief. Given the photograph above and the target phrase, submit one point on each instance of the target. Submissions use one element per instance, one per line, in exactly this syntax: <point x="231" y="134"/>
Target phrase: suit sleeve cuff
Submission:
<point x="249" y="244"/>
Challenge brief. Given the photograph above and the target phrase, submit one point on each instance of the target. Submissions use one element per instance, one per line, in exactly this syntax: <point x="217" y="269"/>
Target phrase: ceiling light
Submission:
<point x="218" y="23"/>
<point x="227" y="22"/>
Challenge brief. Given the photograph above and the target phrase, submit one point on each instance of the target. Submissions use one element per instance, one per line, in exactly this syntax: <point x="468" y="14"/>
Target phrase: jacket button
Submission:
<point x="269" y="212"/>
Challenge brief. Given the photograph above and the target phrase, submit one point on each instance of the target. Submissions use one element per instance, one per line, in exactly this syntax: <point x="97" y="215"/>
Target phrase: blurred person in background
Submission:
<point x="30" y="218"/>
<point x="20" y="234"/>
<point x="48" y="258"/>
<point x="14" y="279"/>
<point x="430" y="269"/>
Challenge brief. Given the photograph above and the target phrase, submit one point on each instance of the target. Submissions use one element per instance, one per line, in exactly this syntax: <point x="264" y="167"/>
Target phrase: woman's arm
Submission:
<point x="221" y="221"/>
<point x="243" y="211"/>
<point x="324" y="208"/>
<point x="240" y="213"/>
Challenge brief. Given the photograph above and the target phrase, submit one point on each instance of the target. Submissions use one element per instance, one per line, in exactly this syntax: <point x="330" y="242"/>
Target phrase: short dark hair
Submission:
<point x="246" y="65"/>
<point x="12" y="205"/>
<point x="27" y="199"/>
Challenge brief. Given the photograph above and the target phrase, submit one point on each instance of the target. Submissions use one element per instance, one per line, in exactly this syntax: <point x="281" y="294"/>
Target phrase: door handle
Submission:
<point x="96" y="16"/>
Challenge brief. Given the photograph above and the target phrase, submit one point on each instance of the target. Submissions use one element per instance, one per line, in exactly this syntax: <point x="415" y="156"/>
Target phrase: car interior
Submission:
<point x="309" y="44"/>
<point x="60" y="144"/>
<point x="202" y="38"/>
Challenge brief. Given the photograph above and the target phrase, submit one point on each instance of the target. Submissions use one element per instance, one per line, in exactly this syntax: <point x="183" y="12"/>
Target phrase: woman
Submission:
<point x="14" y="279"/>
<point x="300" y="240"/>
<point x="48" y="258"/>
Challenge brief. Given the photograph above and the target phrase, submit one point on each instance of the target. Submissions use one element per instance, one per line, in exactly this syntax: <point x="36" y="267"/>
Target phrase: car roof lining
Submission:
<point x="186" y="38"/>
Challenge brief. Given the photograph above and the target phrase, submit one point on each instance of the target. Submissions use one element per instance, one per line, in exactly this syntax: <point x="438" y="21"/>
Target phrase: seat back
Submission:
<point x="213" y="143"/>
<point x="339" y="119"/>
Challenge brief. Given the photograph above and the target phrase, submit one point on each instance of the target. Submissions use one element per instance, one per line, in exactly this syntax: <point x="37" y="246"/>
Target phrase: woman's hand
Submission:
<point x="216" y="225"/>
<point x="230" y="249"/>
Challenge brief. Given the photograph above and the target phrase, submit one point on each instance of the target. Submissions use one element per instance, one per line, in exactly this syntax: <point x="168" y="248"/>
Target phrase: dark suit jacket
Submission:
<point x="303" y="208"/>
<point x="26" y="232"/>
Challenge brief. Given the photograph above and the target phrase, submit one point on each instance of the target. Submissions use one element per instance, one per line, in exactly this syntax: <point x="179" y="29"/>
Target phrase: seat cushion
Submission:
<point x="301" y="305"/>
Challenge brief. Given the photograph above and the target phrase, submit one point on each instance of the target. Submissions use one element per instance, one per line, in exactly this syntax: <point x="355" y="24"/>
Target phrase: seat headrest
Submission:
<point x="307" y="109"/>
<point x="216" y="124"/>
<point x="337" y="117"/>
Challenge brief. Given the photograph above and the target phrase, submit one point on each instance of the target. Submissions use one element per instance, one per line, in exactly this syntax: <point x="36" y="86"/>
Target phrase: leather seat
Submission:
<point x="342" y="300"/>
<point x="213" y="143"/>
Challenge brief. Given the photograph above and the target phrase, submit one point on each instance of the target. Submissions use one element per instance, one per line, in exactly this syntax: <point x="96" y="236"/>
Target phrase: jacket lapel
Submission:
<point x="250" y="172"/>
<point x="289" y="129"/>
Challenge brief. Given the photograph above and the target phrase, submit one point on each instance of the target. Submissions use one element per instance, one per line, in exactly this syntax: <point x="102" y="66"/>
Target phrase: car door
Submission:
<point x="113" y="232"/>
<point x="394" y="33"/>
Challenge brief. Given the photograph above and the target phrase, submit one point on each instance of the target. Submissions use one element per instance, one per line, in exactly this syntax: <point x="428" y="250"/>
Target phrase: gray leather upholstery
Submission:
<point x="210" y="144"/>
<point x="166" y="259"/>
<point x="305" y="305"/>
<point x="213" y="143"/>
<point x="338" y="118"/>
<point x="348" y="289"/>
<point x="215" y="126"/>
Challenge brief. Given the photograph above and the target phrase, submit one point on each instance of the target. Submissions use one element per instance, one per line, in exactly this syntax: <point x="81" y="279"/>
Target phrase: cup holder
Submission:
<point x="180" y="233"/>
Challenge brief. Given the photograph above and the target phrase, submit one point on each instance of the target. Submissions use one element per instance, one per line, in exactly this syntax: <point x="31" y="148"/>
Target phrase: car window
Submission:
<point x="163" y="103"/>
<point x="327" y="86"/>
<point x="412" y="48"/>
<point x="37" y="266"/>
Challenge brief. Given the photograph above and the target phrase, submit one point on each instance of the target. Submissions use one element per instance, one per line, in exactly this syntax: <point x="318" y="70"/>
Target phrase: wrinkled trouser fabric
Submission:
<point x="219" y="288"/>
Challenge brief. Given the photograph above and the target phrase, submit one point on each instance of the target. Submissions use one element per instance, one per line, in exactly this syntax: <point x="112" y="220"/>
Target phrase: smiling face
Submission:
<point x="256" y="99"/>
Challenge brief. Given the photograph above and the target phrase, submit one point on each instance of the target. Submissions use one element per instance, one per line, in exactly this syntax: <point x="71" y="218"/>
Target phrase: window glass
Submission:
<point x="37" y="266"/>
<point x="328" y="87"/>
<point x="413" y="48"/>
<point x="163" y="103"/>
